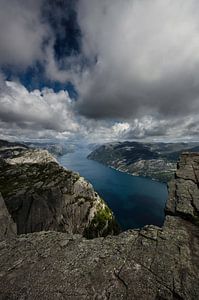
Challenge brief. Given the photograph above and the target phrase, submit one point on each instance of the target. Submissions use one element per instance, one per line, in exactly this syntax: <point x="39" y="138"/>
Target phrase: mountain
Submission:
<point x="154" y="160"/>
<point x="42" y="195"/>
<point x="150" y="263"/>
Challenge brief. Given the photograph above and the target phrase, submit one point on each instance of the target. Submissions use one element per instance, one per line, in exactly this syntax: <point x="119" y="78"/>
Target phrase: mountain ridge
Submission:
<point x="153" y="160"/>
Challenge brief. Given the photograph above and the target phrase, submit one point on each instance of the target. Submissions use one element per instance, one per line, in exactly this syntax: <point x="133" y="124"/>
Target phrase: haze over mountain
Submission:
<point x="99" y="70"/>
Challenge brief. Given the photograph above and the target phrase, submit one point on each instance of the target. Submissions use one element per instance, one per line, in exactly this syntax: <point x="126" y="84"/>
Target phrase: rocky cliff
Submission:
<point x="42" y="195"/>
<point x="151" y="263"/>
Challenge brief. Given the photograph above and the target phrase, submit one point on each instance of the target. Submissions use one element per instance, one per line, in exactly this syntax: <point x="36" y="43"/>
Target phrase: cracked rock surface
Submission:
<point x="184" y="191"/>
<point x="151" y="263"/>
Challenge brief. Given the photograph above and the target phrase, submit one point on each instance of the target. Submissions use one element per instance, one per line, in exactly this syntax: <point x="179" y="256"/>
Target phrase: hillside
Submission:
<point x="154" y="160"/>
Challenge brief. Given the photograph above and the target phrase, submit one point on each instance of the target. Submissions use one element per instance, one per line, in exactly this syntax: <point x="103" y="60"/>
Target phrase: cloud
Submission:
<point x="36" y="32"/>
<point x="145" y="128"/>
<point x="146" y="55"/>
<point x="23" y="34"/>
<point x="134" y="64"/>
<point x="149" y="128"/>
<point x="44" y="112"/>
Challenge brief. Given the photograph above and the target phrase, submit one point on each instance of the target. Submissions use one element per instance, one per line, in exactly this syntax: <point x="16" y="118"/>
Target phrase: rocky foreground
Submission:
<point x="151" y="263"/>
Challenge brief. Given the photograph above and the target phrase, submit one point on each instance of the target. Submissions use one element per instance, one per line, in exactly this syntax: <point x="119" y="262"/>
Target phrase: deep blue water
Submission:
<point x="135" y="201"/>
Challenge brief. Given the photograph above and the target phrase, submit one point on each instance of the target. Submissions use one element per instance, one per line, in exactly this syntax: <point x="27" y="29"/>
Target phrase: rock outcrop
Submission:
<point x="150" y="264"/>
<point x="42" y="195"/>
<point x="184" y="191"/>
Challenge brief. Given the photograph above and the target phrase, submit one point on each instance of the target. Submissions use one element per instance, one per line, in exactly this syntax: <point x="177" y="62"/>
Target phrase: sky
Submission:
<point x="99" y="71"/>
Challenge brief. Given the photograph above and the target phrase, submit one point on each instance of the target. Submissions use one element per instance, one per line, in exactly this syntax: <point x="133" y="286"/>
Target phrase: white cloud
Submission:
<point x="37" y="111"/>
<point x="120" y="128"/>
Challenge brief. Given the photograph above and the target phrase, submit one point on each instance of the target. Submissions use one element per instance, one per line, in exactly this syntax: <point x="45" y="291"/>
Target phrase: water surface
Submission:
<point x="135" y="201"/>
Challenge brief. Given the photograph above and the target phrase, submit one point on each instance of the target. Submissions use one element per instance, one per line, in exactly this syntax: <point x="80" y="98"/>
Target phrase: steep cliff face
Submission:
<point x="7" y="225"/>
<point x="42" y="195"/>
<point x="151" y="263"/>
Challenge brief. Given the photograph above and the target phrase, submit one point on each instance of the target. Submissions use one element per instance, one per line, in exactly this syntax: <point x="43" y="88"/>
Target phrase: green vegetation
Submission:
<point x="102" y="224"/>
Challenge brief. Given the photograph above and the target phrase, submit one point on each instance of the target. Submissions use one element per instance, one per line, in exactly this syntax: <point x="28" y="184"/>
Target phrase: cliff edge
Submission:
<point x="42" y="195"/>
<point x="151" y="263"/>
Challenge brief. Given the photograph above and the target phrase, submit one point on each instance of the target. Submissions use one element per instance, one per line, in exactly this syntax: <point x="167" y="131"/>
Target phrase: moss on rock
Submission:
<point x="102" y="224"/>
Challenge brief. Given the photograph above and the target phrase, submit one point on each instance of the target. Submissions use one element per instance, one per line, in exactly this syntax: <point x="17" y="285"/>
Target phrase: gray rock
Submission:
<point x="147" y="264"/>
<point x="184" y="191"/>
<point x="151" y="263"/>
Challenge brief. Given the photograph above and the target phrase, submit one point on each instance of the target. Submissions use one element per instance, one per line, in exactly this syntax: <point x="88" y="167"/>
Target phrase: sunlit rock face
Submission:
<point x="150" y="263"/>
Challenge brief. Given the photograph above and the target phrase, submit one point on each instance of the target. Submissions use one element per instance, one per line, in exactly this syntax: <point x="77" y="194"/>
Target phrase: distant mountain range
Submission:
<point x="154" y="160"/>
<point x="56" y="149"/>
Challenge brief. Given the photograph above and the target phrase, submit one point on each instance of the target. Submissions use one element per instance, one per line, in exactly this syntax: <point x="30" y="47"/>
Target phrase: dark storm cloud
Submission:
<point x="22" y="33"/>
<point x="126" y="58"/>
<point x="148" y="59"/>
